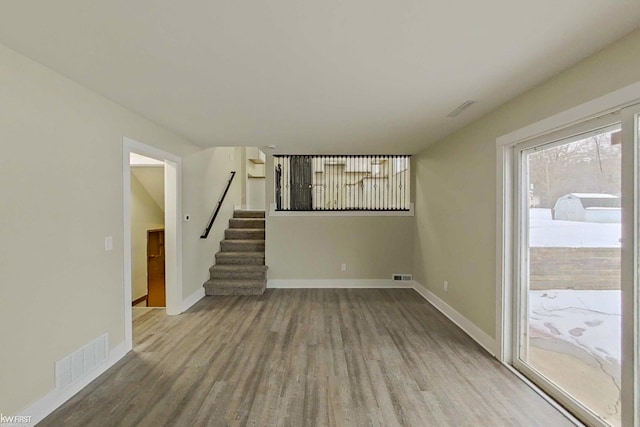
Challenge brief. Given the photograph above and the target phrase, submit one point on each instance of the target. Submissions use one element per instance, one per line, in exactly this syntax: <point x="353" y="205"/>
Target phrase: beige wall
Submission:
<point x="59" y="289"/>
<point x="207" y="172"/>
<point x="255" y="187"/>
<point x="456" y="182"/>
<point x="145" y="215"/>
<point x="315" y="247"/>
<point x="304" y="247"/>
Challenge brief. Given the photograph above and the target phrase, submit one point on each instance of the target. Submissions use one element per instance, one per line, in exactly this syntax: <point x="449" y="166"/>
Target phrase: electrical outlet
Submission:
<point x="343" y="267"/>
<point x="108" y="243"/>
<point x="445" y="286"/>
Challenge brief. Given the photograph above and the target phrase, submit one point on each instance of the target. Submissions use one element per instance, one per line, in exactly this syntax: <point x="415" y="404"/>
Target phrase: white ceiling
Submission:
<point x="140" y="160"/>
<point x="330" y="76"/>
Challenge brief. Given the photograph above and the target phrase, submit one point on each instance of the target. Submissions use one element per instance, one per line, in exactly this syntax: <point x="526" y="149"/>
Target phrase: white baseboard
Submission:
<point x="56" y="397"/>
<point x="337" y="283"/>
<point x="191" y="299"/>
<point x="465" y="324"/>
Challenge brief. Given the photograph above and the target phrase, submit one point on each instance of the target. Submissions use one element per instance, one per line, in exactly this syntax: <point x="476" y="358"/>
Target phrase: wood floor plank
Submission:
<point x="305" y="357"/>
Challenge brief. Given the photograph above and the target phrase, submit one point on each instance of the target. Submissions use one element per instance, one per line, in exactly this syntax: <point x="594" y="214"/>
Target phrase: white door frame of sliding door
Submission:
<point x="630" y="397"/>
<point x="620" y="103"/>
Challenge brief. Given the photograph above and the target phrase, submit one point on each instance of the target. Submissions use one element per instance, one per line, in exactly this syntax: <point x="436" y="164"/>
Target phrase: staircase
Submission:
<point x="239" y="268"/>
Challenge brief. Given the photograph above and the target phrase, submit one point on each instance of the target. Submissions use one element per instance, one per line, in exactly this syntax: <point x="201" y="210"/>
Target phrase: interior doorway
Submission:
<point x="147" y="222"/>
<point x="166" y="218"/>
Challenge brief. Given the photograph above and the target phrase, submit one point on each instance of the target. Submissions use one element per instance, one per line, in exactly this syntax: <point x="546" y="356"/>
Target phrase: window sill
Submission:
<point x="273" y="212"/>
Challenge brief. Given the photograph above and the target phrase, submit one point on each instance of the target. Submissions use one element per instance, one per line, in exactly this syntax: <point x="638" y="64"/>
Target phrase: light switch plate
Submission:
<point x="108" y="243"/>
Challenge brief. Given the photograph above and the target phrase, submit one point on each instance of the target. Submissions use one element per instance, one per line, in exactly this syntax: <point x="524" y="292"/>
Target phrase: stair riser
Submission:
<point x="246" y="223"/>
<point x="237" y="234"/>
<point x="240" y="284"/>
<point x="239" y="275"/>
<point x="248" y="214"/>
<point x="234" y="287"/>
<point x="223" y="260"/>
<point x="212" y="291"/>
<point x="231" y="246"/>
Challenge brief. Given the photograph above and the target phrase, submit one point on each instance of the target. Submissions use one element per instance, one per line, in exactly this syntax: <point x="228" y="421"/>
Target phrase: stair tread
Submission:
<point x="249" y="223"/>
<point x="240" y="283"/>
<point x="244" y="240"/>
<point x="248" y="212"/>
<point x="236" y="267"/>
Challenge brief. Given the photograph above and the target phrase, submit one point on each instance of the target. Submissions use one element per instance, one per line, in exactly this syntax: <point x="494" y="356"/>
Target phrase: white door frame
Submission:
<point x="173" y="229"/>
<point x="506" y="252"/>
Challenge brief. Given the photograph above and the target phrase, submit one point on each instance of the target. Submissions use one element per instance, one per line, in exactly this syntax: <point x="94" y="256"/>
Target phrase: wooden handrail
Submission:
<point x="215" y="213"/>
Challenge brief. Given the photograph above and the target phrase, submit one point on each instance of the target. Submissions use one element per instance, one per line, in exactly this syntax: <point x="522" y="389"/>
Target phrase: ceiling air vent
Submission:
<point x="461" y="108"/>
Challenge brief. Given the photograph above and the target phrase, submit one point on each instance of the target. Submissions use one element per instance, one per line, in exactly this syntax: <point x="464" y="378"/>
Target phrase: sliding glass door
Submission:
<point x="568" y="316"/>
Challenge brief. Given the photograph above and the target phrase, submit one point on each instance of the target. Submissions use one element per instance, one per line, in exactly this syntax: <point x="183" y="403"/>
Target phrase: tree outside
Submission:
<point x="590" y="165"/>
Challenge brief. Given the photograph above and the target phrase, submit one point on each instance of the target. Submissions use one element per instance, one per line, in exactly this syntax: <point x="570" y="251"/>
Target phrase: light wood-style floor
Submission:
<point x="306" y="357"/>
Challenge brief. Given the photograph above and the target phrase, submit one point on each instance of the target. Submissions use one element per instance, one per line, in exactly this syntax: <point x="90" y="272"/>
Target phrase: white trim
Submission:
<point x="605" y="104"/>
<point x="173" y="234"/>
<point x="337" y="283"/>
<point x="173" y="229"/>
<point x="192" y="299"/>
<point x="56" y="397"/>
<point x="504" y="250"/>
<point x="477" y="334"/>
<point x="273" y="212"/>
<point x="630" y="393"/>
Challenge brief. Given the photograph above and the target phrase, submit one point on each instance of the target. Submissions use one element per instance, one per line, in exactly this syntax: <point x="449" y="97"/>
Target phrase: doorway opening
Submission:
<point x="147" y="232"/>
<point x="152" y="231"/>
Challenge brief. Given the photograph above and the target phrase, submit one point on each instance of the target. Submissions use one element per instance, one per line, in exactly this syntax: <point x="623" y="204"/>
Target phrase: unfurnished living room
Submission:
<point x="343" y="213"/>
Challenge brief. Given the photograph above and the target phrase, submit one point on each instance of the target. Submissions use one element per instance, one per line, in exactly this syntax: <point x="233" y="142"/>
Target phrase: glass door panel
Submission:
<point x="569" y="320"/>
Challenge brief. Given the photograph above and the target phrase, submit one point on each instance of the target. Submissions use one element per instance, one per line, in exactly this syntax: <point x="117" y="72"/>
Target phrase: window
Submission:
<point x="342" y="183"/>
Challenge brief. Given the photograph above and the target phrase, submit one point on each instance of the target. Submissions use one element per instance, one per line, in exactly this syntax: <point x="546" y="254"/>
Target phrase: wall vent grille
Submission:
<point x="402" y="277"/>
<point x="81" y="362"/>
